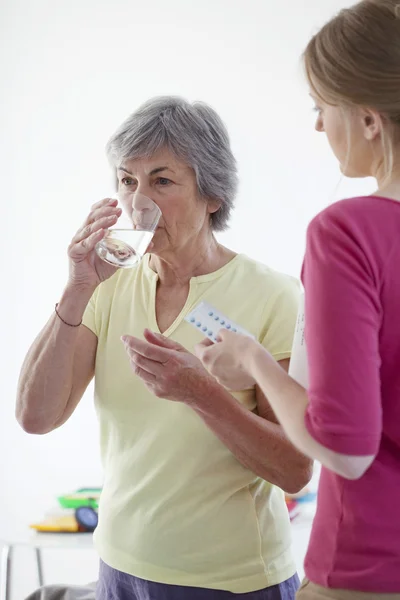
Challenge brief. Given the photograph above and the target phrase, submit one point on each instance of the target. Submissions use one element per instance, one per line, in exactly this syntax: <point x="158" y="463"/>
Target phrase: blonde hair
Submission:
<point x="354" y="60"/>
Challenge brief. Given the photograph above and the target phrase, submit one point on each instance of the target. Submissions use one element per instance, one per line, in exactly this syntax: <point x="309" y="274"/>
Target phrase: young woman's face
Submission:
<point x="348" y="136"/>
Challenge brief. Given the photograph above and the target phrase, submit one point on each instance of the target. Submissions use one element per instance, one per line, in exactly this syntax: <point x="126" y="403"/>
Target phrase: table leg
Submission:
<point x="6" y="573"/>
<point x="39" y="566"/>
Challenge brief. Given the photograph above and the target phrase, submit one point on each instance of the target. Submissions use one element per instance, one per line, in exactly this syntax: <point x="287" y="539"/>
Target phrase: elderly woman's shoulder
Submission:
<point x="268" y="278"/>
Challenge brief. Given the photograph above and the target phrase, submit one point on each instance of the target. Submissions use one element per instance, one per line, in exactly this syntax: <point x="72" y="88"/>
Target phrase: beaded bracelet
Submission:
<point x="61" y="319"/>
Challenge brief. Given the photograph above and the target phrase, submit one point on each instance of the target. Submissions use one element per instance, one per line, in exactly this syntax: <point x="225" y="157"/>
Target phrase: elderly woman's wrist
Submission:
<point x="205" y="393"/>
<point x="74" y="301"/>
<point x="79" y="290"/>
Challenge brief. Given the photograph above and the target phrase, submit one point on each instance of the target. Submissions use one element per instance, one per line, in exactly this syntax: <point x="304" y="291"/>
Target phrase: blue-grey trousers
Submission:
<point x="115" y="585"/>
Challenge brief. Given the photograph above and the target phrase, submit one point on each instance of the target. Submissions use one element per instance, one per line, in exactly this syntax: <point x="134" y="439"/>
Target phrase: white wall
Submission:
<point x="70" y="72"/>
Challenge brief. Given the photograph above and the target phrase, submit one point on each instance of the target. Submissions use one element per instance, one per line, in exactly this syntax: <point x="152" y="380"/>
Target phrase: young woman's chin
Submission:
<point x="351" y="172"/>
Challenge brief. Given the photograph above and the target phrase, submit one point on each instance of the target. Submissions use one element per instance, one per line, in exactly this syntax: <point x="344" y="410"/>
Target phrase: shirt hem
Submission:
<point x="281" y="355"/>
<point x="121" y="562"/>
<point x="89" y="326"/>
<point x="337" y="582"/>
<point x="343" y="444"/>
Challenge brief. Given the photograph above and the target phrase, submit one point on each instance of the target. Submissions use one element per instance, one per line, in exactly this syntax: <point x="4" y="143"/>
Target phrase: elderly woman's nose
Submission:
<point x="140" y="202"/>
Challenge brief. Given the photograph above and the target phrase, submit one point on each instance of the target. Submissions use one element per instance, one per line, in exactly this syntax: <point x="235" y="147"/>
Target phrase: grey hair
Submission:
<point x="195" y="134"/>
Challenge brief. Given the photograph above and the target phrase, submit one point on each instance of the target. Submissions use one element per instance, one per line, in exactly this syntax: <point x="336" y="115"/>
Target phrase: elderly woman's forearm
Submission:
<point x="258" y="444"/>
<point x="46" y="378"/>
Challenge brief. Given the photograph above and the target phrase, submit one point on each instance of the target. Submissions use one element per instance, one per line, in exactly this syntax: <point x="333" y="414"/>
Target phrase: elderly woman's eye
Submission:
<point x="127" y="181"/>
<point x="163" y="181"/>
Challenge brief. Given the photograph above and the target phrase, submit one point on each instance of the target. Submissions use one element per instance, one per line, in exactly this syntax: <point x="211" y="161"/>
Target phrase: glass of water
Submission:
<point x="125" y="244"/>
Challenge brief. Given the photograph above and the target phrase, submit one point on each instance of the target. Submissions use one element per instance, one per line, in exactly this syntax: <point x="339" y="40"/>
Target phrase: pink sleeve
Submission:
<point x="342" y="319"/>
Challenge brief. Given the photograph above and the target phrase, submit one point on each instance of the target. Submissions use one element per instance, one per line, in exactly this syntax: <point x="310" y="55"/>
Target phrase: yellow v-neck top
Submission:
<point x="177" y="507"/>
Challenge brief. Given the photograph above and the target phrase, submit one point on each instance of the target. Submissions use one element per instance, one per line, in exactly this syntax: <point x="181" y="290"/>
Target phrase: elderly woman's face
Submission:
<point x="171" y="184"/>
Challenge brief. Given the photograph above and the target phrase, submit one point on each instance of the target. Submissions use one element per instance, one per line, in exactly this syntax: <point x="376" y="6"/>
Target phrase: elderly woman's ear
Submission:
<point x="214" y="204"/>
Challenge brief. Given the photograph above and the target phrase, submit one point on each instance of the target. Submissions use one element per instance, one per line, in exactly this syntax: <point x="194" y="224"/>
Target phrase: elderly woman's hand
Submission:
<point x="86" y="269"/>
<point x="229" y="359"/>
<point x="167" y="369"/>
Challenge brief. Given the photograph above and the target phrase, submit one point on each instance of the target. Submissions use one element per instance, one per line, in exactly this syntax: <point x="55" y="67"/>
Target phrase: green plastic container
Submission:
<point x="82" y="497"/>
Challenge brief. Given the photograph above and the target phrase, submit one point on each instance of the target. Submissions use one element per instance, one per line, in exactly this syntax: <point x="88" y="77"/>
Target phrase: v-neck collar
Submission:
<point x="193" y="285"/>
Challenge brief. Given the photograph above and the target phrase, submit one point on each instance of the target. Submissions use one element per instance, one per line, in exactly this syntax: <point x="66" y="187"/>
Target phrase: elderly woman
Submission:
<point x="192" y="504"/>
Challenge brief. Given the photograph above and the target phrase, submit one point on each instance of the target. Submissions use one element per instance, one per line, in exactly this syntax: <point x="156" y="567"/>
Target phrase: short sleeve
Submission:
<point x="89" y="316"/>
<point x="280" y="315"/>
<point x="342" y="323"/>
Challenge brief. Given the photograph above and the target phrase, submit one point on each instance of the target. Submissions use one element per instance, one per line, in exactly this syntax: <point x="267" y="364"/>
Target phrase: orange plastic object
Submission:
<point x="67" y="524"/>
